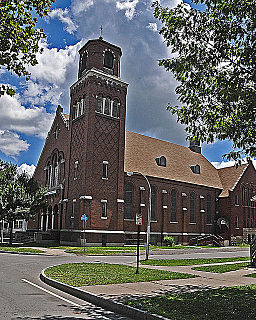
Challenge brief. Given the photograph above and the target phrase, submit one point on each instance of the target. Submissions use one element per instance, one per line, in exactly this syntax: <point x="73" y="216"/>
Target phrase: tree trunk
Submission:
<point x="11" y="235"/>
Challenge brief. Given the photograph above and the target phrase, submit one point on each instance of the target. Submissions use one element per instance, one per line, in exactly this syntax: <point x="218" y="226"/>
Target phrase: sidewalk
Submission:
<point x="205" y="280"/>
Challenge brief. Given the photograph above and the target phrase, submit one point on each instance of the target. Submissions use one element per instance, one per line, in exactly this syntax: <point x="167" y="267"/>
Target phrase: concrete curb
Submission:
<point x="27" y="253"/>
<point x="107" y="304"/>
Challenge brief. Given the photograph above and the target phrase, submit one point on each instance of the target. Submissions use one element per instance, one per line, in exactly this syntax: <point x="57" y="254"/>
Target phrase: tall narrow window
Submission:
<point x="103" y="208"/>
<point x="153" y="203"/>
<point x="173" y="206"/>
<point x="115" y="109"/>
<point x="83" y="61"/>
<point x="105" y="170"/>
<point x="75" y="170"/>
<point x="243" y="196"/>
<point x="192" y="207"/>
<point x="73" y="208"/>
<point x="99" y="105"/>
<point x="107" y="106"/>
<point x="108" y="60"/>
<point x="83" y="105"/>
<point x="236" y="222"/>
<point x="236" y="200"/>
<point x="247" y="197"/>
<point x="208" y="210"/>
<point x="128" y="201"/>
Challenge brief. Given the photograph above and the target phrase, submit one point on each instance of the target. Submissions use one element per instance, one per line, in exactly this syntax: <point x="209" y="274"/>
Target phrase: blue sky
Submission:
<point x="27" y="117"/>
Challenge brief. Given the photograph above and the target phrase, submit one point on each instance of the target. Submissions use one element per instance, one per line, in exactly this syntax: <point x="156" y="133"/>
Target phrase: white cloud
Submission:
<point x="27" y="168"/>
<point x="11" y="144"/>
<point x="152" y="26"/>
<point x="40" y="94"/>
<point x="226" y="164"/>
<point x="80" y="6"/>
<point x="64" y="17"/>
<point x="53" y="63"/>
<point x="128" y="6"/>
<point x="31" y="121"/>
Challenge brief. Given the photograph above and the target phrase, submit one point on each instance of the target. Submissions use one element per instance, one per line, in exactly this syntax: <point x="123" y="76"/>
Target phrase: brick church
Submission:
<point x="93" y="166"/>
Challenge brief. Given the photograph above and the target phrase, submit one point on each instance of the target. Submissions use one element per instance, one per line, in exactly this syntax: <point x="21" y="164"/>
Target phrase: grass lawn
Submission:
<point x="234" y="303"/>
<point x="189" y="262"/>
<point x="252" y="275"/>
<point x="86" y="274"/>
<point x="17" y="249"/>
<point x="223" y="268"/>
<point x="114" y="250"/>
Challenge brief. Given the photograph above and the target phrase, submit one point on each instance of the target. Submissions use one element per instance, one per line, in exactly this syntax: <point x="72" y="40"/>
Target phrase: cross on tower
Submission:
<point x="101" y="29"/>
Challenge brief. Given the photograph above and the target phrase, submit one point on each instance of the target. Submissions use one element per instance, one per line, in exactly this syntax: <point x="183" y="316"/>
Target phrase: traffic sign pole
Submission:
<point x="138" y="223"/>
<point x="84" y="219"/>
<point x="138" y="249"/>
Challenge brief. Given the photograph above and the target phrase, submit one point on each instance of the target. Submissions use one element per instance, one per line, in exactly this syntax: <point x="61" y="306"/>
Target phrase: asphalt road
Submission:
<point x="23" y="296"/>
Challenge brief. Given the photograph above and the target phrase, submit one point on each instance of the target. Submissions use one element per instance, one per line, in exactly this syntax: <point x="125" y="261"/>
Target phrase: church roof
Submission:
<point x="229" y="177"/>
<point x="141" y="152"/>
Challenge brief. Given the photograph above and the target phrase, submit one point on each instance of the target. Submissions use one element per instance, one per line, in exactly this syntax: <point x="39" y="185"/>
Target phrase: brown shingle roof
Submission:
<point x="141" y="151"/>
<point x="229" y="177"/>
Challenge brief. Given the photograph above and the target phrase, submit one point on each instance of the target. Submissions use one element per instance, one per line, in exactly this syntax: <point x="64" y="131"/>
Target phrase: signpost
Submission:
<point x="84" y="219"/>
<point x="138" y="223"/>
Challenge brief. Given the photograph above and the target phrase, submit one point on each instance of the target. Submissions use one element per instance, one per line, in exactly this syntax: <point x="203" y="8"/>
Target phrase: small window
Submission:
<point x="108" y="60"/>
<point x="236" y="200"/>
<point x="103" y="208"/>
<point x="195" y="169"/>
<point x="99" y="105"/>
<point x="83" y="105"/>
<point x="105" y="170"/>
<point x="161" y="161"/>
<point x="75" y="170"/>
<point x="236" y="222"/>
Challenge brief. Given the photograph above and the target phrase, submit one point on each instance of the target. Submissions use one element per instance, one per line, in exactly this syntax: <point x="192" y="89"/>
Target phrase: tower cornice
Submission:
<point x="102" y="75"/>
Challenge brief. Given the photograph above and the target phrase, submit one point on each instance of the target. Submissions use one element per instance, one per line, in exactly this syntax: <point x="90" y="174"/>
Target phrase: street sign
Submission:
<point x="138" y="219"/>
<point x="84" y="217"/>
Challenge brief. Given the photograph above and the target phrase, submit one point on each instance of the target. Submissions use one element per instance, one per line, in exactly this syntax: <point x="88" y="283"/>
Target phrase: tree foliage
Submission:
<point x="19" y="37"/>
<point x="213" y="57"/>
<point x="20" y="195"/>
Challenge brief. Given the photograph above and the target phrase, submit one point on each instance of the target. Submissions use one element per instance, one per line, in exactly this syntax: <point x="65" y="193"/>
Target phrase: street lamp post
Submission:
<point x="149" y="211"/>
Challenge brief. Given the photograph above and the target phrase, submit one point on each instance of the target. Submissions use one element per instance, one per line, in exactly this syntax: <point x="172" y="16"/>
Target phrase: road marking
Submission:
<point x="53" y="294"/>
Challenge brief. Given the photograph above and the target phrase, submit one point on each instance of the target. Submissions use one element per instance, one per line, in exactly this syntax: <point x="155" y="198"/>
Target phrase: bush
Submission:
<point x="169" y="241"/>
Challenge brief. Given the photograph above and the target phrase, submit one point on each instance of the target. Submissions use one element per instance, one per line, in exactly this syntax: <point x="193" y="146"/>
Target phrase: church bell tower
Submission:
<point x="97" y="135"/>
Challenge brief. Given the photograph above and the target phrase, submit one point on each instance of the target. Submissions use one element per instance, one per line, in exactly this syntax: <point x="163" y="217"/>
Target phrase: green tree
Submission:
<point x="20" y="195"/>
<point x="213" y="57"/>
<point x="19" y="37"/>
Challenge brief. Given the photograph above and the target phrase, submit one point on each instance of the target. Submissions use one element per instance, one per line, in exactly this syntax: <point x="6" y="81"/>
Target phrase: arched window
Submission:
<point x="192" y="207"/>
<point x="99" y="105"/>
<point x="55" y="180"/>
<point x="208" y="209"/>
<point x="107" y="106"/>
<point x="83" y="105"/>
<point x="128" y="201"/>
<point x="108" y="60"/>
<point x="115" y="109"/>
<point x="48" y="174"/>
<point x="173" y="206"/>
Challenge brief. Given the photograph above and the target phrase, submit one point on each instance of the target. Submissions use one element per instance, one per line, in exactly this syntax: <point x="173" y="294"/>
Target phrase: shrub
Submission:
<point x="169" y="241"/>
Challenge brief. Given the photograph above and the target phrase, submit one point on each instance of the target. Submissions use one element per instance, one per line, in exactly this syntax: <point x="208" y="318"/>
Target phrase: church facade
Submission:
<point x="93" y="166"/>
